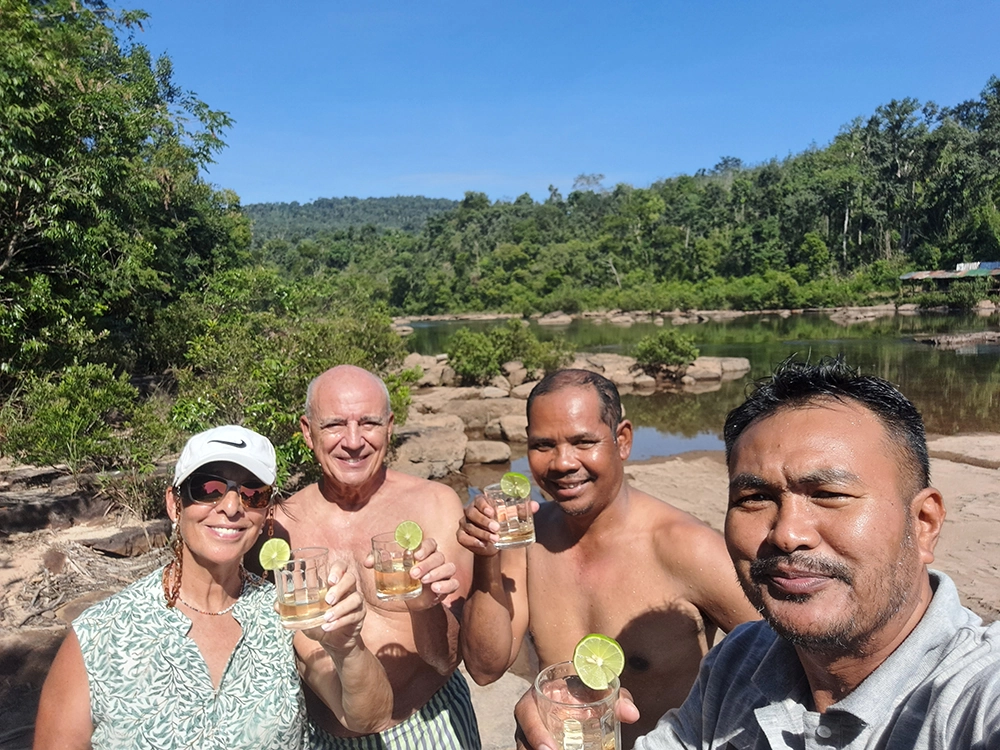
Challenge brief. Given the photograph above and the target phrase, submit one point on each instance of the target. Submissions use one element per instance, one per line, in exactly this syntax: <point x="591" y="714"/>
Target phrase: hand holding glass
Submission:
<point x="578" y="717"/>
<point x="517" y="526"/>
<point x="392" y="565"/>
<point x="302" y="584"/>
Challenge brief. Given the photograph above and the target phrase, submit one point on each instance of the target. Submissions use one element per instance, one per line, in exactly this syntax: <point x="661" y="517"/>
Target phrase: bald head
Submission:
<point x="346" y="376"/>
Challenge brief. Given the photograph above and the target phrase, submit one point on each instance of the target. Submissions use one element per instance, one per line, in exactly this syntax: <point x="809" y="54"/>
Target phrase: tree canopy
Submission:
<point x="911" y="186"/>
<point x="104" y="216"/>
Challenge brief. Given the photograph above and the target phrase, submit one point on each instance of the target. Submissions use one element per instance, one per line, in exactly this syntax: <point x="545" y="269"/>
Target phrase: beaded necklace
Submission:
<point x="243" y="588"/>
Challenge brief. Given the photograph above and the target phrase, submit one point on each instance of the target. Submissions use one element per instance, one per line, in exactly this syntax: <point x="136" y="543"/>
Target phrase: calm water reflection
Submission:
<point x="955" y="391"/>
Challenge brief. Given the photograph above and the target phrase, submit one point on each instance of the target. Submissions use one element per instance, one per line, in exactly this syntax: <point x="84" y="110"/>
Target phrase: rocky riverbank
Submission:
<point x="625" y="318"/>
<point x="449" y="427"/>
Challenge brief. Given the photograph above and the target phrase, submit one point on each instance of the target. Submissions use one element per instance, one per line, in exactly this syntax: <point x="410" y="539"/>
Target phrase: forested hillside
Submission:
<point x="295" y="221"/>
<point x="910" y="186"/>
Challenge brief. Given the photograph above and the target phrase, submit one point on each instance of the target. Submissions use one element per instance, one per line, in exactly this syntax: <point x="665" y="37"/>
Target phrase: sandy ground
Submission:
<point x="963" y="468"/>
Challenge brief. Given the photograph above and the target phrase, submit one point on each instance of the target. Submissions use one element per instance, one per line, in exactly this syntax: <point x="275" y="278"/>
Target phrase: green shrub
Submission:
<point x="477" y="357"/>
<point x="666" y="347"/>
<point x="248" y="360"/>
<point x="76" y="417"/>
<point x="473" y="356"/>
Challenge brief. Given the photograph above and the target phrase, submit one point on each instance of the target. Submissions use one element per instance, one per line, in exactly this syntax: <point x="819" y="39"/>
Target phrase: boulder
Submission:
<point x="492" y="430"/>
<point x="477" y="414"/>
<point x="432" y="376"/>
<point x="493" y="392"/>
<point x="449" y="378"/>
<point x="622" y="320"/>
<point x="413" y="360"/>
<point x="604" y="363"/>
<point x="557" y="318"/>
<point x="431" y="400"/>
<point x="644" y="382"/>
<point x="718" y="368"/>
<point x="499" y="381"/>
<point x="430" y="447"/>
<point x="620" y="378"/>
<point x="522" y="391"/>
<point x="516" y="373"/>
<point x="514" y="428"/>
<point x="486" y="452"/>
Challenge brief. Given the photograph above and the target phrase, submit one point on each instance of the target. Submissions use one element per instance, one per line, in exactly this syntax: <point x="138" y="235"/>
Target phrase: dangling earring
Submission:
<point x="270" y="522"/>
<point x="172" y="573"/>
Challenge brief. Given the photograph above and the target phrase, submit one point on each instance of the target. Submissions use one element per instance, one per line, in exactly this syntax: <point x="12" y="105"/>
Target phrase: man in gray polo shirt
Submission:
<point x="831" y="525"/>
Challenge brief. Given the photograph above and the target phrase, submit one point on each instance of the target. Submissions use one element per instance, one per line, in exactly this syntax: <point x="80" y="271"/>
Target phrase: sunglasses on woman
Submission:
<point x="210" y="489"/>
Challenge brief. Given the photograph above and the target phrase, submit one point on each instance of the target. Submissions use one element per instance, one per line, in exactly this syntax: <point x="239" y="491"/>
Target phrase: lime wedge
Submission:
<point x="274" y="554"/>
<point x="515" y="485"/>
<point x="597" y="660"/>
<point x="408" y="535"/>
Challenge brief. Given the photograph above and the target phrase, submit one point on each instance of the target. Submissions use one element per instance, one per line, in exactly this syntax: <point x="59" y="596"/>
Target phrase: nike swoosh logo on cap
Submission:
<point x="241" y="444"/>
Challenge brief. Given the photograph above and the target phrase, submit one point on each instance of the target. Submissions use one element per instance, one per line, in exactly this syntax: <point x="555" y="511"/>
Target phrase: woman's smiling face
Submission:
<point x="218" y="534"/>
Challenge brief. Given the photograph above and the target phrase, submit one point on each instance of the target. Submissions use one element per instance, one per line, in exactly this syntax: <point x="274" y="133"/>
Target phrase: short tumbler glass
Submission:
<point x="302" y="583"/>
<point x="578" y="717"/>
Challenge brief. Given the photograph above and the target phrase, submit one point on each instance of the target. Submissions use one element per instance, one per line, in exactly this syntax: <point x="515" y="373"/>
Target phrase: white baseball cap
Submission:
<point x="231" y="443"/>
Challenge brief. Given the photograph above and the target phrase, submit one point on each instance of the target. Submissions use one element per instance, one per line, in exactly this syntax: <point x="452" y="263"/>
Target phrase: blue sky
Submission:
<point x="419" y="97"/>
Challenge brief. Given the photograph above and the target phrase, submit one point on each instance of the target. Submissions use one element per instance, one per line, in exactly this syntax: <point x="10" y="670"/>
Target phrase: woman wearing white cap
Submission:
<point x="193" y="655"/>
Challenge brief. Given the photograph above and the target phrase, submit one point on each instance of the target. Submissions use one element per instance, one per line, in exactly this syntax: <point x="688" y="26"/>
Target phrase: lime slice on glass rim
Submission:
<point x="408" y="535"/>
<point x="597" y="660"/>
<point x="515" y="485"/>
<point x="274" y="553"/>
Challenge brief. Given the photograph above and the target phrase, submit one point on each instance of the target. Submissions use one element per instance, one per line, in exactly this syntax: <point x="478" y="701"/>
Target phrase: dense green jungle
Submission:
<point x="138" y="302"/>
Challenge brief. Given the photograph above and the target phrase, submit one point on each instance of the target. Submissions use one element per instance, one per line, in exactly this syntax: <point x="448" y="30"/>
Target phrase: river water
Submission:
<point x="956" y="391"/>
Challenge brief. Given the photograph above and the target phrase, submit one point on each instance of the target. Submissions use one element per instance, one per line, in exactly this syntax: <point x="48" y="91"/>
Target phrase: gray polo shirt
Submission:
<point x="940" y="689"/>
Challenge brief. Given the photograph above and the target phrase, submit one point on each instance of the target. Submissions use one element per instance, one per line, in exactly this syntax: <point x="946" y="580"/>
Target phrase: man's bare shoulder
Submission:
<point x="674" y="530"/>
<point x="426" y="489"/>
<point x="292" y="506"/>
<point x="653" y="509"/>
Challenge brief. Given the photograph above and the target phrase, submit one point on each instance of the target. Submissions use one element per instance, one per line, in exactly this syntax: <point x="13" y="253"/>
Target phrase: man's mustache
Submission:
<point x="765" y="567"/>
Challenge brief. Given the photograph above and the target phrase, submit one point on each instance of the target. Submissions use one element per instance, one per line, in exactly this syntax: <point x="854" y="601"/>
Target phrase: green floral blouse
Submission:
<point x="150" y="686"/>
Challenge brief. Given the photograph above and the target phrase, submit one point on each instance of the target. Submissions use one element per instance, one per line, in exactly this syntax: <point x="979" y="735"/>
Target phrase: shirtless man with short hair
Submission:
<point x="347" y="425"/>
<point x="608" y="559"/>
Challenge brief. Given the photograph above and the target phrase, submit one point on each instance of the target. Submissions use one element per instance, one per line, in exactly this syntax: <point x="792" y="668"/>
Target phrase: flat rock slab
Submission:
<point x="57" y="506"/>
<point x="976" y="450"/>
<point x="486" y="452"/>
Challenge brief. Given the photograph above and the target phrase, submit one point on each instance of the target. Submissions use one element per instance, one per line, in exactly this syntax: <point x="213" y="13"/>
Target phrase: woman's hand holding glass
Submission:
<point x="342" y="623"/>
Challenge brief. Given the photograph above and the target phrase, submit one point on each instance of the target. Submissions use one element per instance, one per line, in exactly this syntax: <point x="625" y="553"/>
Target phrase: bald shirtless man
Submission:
<point x="608" y="559"/>
<point x="347" y="425"/>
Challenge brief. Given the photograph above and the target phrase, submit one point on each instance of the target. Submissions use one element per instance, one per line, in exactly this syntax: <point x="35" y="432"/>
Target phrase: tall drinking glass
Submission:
<point x="517" y="526"/>
<point x="578" y="717"/>
<point x="392" y="569"/>
<point x="302" y="583"/>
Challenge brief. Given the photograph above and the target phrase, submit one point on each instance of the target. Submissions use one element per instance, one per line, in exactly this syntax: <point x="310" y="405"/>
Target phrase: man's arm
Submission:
<point x="696" y="555"/>
<point x="495" y="619"/>
<point x="445" y="570"/>
<point x="335" y="663"/>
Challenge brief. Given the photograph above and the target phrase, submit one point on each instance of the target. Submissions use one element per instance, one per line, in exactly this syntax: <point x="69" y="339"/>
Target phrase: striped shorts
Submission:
<point x="445" y="722"/>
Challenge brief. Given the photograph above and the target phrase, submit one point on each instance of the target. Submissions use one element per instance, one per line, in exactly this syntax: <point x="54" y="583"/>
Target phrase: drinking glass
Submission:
<point x="392" y="569"/>
<point x="517" y="527"/>
<point x="302" y="583"/>
<point x="578" y="717"/>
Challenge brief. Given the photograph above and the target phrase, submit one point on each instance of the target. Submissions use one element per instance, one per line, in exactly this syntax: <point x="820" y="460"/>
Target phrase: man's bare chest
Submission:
<point x="637" y="603"/>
